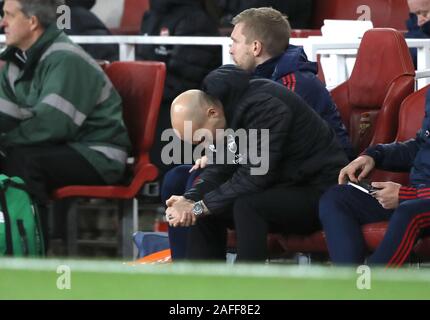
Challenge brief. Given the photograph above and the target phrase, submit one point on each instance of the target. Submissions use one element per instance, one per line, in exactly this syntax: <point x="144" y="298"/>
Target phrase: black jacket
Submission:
<point x="88" y="4"/>
<point x="186" y="65"/>
<point x="85" y="23"/>
<point x="303" y="150"/>
<point x="299" y="12"/>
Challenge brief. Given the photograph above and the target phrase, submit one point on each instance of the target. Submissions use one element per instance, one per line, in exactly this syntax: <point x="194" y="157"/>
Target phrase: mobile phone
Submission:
<point x="363" y="186"/>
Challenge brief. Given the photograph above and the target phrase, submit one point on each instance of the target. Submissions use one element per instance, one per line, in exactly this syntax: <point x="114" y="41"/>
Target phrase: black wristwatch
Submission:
<point x="198" y="208"/>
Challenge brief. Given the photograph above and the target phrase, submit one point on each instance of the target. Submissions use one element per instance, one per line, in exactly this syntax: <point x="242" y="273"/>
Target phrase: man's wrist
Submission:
<point x="199" y="208"/>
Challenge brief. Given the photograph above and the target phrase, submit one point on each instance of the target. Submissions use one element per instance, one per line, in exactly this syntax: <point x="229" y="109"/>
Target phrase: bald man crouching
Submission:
<point x="266" y="176"/>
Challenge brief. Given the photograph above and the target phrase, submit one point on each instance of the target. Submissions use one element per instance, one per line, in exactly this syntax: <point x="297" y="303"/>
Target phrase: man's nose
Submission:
<point x="421" y="20"/>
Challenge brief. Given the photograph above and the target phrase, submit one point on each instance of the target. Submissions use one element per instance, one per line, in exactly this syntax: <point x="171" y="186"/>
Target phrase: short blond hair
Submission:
<point x="267" y="25"/>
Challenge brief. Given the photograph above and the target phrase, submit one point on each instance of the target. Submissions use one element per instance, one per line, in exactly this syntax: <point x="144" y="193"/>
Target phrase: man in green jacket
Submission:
<point x="60" y="117"/>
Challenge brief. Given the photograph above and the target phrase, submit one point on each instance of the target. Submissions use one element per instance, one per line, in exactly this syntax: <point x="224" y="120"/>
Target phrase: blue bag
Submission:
<point x="150" y="242"/>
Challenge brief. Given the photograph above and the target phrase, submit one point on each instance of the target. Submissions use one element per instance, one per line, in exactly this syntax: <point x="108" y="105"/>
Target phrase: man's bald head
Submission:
<point x="189" y="106"/>
<point x="197" y="107"/>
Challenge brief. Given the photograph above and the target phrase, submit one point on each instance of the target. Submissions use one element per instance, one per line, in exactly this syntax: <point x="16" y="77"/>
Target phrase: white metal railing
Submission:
<point x="419" y="75"/>
<point x="337" y="49"/>
<point x="127" y="44"/>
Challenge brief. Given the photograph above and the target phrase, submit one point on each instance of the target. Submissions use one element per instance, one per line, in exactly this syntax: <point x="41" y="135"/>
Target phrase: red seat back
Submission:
<point x="383" y="76"/>
<point x="410" y="119"/>
<point x="141" y="85"/>
<point x="412" y="114"/>
<point x="383" y="13"/>
<point x="132" y="16"/>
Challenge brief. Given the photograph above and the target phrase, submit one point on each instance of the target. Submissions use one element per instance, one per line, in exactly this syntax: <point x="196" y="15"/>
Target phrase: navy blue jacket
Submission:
<point x="412" y="155"/>
<point x="297" y="73"/>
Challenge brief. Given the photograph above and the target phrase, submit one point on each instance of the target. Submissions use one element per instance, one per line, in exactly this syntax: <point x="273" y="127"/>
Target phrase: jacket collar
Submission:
<point x="265" y="70"/>
<point x="31" y="56"/>
<point x="228" y="84"/>
<point x="292" y="60"/>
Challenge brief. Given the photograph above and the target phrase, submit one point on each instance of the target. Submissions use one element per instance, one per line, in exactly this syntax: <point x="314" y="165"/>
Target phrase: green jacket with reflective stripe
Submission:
<point x="55" y="93"/>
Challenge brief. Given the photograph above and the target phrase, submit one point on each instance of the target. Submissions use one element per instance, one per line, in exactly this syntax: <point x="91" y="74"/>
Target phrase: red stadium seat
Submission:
<point x="410" y="119"/>
<point x="383" y="13"/>
<point x="383" y="76"/>
<point x="132" y="17"/>
<point x="141" y="86"/>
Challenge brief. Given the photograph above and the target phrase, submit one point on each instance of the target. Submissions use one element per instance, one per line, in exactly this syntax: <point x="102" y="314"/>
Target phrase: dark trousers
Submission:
<point x="44" y="169"/>
<point x="287" y="210"/>
<point x="176" y="182"/>
<point x="344" y="209"/>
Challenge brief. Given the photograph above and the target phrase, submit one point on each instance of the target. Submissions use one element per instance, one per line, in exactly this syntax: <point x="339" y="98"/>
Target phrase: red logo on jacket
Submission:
<point x="164" y="32"/>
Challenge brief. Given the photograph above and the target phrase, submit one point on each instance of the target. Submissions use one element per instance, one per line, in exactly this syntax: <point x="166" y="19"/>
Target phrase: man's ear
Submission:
<point x="257" y="48"/>
<point x="212" y="112"/>
<point x="34" y="23"/>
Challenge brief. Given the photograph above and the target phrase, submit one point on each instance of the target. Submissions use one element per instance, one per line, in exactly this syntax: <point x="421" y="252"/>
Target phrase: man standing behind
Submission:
<point x="261" y="45"/>
<point x="60" y="117"/>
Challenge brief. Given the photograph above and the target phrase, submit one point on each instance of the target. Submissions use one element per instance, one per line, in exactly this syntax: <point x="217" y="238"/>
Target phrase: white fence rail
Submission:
<point x="127" y="44"/>
<point x="338" y="51"/>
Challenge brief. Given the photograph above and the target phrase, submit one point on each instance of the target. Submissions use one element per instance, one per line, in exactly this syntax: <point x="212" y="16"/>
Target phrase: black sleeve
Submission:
<point x="397" y="156"/>
<point x="211" y="178"/>
<point x="193" y="63"/>
<point x="271" y="115"/>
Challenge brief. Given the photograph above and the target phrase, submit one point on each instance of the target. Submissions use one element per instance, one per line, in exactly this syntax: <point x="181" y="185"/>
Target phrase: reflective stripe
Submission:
<point x="112" y="153"/>
<point x="105" y="94"/>
<point x="63" y="46"/>
<point x="12" y="74"/>
<point x="22" y="57"/>
<point x="14" y="110"/>
<point x="59" y="103"/>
